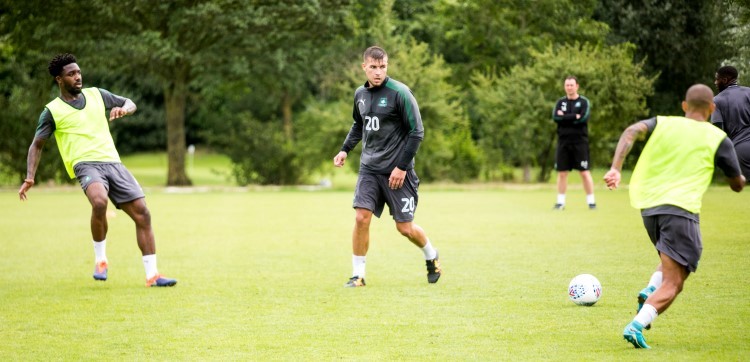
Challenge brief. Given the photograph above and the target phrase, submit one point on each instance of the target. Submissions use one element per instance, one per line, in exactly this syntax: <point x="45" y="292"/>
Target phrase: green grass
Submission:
<point x="204" y="169"/>
<point x="261" y="273"/>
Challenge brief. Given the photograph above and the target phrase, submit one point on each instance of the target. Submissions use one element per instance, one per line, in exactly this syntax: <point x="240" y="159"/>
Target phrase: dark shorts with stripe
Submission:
<point x="572" y="156"/>
<point x="372" y="193"/>
<point x="676" y="236"/>
<point x="120" y="184"/>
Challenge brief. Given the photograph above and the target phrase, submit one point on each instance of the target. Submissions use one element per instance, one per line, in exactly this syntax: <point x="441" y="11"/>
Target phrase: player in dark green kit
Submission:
<point x="571" y="114"/>
<point x="387" y="121"/>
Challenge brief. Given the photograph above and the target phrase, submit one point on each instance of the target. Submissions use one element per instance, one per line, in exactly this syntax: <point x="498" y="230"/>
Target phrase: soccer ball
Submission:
<point x="585" y="289"/>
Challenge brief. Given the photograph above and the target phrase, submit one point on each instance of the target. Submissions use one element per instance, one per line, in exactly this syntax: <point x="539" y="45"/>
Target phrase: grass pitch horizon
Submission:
<point x="261" y="276"/>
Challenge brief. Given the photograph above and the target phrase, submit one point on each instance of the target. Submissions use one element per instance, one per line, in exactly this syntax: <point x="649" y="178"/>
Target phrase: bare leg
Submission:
<point x="588" y="182"/>
<point x="413" y="232"/>
<point x="562" y="182"/>
<point x="361" y="233"/>
<point x="674" y="276"/>
<point x="97" y="195"/>
<point x="140" y="214"/>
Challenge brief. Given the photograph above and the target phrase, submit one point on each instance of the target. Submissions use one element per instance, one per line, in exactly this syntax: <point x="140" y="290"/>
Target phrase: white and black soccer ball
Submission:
<point x="585" y="289"/>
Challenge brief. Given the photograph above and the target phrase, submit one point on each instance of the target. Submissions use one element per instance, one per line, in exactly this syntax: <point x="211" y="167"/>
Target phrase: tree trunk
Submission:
<point x="286" y="112"/>
<point x="175" y="97"/>
<point x="547" y="151"/>
<point x="526" y="172"/>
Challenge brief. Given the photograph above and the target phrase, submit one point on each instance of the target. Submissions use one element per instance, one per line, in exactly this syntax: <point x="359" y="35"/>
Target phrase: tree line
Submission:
<point x="270" y="83"/>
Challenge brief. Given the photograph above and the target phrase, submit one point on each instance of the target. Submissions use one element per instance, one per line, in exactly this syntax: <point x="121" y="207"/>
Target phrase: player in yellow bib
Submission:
<point x="672" y="174"/>
<point x="78" y="119"/>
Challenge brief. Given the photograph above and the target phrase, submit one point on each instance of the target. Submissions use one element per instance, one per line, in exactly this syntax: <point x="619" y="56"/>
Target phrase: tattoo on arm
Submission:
<point x="635" y="132"/>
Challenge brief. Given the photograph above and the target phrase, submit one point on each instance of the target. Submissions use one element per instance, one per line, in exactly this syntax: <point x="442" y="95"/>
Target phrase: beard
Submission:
<point x="74" y="90"/>
<point x="723" y="86"/>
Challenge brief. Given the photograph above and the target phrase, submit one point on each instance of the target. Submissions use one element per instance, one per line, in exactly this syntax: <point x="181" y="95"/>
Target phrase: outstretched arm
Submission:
<point x="636" y="131"/>
<point x="32" y="162"/>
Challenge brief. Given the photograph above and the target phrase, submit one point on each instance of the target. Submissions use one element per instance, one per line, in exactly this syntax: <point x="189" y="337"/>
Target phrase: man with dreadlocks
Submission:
<point x="78" y="119"/>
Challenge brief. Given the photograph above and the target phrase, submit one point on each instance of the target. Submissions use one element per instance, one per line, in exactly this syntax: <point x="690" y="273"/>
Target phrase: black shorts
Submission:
<point x="743" y="155"/>
<point x="372" y="193"/>
<point x="676" y="236"/>
<point x="120" y="184"/>
<point x="571" y="156"/>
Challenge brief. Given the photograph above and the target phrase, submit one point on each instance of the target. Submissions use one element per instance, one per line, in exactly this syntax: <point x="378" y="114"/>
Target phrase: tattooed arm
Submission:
<point x="635" y="132"/>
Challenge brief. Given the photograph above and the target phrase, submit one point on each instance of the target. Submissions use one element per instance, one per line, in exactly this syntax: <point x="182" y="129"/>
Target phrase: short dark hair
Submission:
<point x="57" y="63"/>
<point x="573" y="77"/>
<point x="374" y="52"/>
<point x="728" y="72"/>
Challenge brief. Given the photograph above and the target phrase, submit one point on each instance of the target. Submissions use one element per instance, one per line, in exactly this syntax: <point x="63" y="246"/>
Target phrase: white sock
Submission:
<point x="590" y="199"/>
<point x="149" y="263"/>
<point x="655" y="280"/>
<point x="429" y="252"/>
<point x="646" y="315"/>
<point x="358" y="266"/>
<point x="561" y="199"/>
<point x="100" y="250"/>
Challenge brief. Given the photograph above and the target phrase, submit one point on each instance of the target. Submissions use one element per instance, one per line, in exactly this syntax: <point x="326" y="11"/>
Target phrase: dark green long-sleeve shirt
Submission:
<point x="387" y="121"/>
<point x="570" y="129"/>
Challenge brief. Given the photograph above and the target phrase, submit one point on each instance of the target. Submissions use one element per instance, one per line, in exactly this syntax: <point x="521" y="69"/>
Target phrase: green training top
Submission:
<point x="83" y="134"/>
<point x="677" y="164"/>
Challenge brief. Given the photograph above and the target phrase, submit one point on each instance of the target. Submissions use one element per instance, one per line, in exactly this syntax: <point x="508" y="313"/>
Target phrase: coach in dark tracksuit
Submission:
<point x="571" y="113"/>
<point x="387" y="121"/>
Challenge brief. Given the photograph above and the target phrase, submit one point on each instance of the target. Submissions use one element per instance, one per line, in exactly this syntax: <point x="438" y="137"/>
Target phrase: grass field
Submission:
<point x="261" y="273"/>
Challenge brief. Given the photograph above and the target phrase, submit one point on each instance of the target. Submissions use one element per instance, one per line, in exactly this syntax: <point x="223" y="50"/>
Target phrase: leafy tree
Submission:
<point x="516" y="107"/>
<point x="448" y="152"/>
<point x="172" y="46"/>
<point x="681" y="40"/>
<point x="737" y="35"/>
<point x="269" y="101"/>
<point x="483" y="35"/>
<point x="22" y="97"/>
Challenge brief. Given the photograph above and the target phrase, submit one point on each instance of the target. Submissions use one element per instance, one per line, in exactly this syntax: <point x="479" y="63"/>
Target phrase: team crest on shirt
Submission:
<point x="383" y="102"/>
<point x="578" y="104"/>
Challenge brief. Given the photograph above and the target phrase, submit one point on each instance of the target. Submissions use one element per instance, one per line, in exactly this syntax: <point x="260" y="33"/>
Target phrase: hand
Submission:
<point x="578" y="116"/>
<point x="27" y="183"/>
<point x="612" y="178"/>
<point x="117" y="112"/>
<point x="559" y="112"/>
<point x="397" y="178"/>
<point x="340" y="158"/>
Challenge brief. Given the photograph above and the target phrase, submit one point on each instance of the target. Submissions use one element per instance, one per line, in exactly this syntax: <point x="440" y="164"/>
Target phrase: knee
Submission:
<point x="672" y="289"/>
<point x="140" y="214"/>
<point x="362" y="219"/>
<point x="146" y="216"/>
<point x="143" y="216"/>
<point x="404" y="229"/>
<point x="99" y="205"/>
